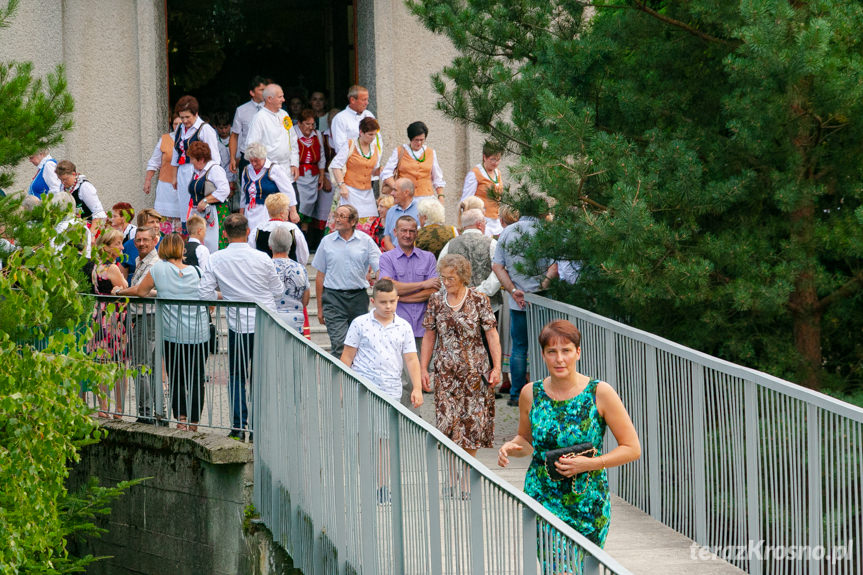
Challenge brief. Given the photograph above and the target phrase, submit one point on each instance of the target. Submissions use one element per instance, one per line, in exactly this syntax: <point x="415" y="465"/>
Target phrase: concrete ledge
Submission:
<point x="208" y="447"/>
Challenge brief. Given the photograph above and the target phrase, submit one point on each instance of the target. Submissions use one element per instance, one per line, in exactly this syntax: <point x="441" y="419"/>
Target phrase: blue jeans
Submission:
<point x="240" y="346"/>
<point x="518" y="355"/>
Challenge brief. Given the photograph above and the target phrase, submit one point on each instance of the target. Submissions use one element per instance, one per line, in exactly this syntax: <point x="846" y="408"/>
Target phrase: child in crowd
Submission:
<point x="195" y="252"/>
<point x="380" y="343"/>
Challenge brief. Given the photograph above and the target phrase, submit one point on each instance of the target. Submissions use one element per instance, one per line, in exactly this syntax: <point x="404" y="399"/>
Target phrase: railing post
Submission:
<point x="611" y="378"/>
<point x="753" y="471"/>
<point x="156" y="376"/>
<point x="813" y="454"/>
<point x="398" y="543"/>
<point x="477" y="531"/>
<point x="651" y="394"/>
<point x="435" y="543"/>
<point x="368" y="472"/>
<point x="699" y="459"/>
<point x="528" y="541"/>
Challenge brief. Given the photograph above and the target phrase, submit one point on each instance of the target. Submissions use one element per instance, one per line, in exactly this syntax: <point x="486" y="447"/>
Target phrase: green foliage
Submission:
<point x="35" y="112"/>
<point x="703" y="156"/>
<point x="44" y="327"/>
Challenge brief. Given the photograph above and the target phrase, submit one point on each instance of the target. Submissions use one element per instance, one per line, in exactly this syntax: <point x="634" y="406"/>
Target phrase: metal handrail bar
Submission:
<point x="603" y="561"/>
<point x="733" y="457"/>
<point x="761" y="378"/>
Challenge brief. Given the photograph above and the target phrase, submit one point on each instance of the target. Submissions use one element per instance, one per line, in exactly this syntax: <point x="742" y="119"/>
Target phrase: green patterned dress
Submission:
<point x="586" y="505"/>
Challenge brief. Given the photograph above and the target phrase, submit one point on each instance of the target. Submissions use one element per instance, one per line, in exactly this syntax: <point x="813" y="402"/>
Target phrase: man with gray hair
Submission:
<point x="346" y="124"/>
<point x="478" y="248"/>
<point x="142" y="342"/>
<point x="405" y="205"/>
<point x="271" y="126"/>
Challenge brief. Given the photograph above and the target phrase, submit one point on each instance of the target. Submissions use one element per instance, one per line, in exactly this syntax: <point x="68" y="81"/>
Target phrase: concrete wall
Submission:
<point x="189" y="517"/>
<point x="116" y="64"/>
<point x="390" y="42"/>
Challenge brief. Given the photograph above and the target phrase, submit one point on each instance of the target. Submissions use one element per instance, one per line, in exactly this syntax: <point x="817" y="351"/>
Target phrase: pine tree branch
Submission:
<point x="640" y="6"/>
<point x="848" y="289"/>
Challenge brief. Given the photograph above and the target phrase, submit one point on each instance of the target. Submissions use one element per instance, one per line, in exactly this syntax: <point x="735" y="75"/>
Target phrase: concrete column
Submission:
<point x="397" y="58"/>
<point x="116" y="64"/>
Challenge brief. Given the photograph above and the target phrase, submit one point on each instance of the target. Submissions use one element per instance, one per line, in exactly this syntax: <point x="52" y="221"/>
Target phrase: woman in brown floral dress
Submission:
<point x="464" y="381"/>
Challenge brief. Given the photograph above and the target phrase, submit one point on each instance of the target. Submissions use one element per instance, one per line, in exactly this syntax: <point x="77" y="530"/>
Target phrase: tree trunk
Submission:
<point x="804" y="301"/>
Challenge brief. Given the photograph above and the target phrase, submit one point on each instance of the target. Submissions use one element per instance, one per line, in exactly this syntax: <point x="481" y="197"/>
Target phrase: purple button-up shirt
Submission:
<point x="419" y="266"/>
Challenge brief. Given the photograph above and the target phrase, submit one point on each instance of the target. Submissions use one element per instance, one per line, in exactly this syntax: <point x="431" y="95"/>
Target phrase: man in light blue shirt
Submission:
<point x="343" y="261"/>
<point x="405" y="205"/>
<point x="518" y="276"/>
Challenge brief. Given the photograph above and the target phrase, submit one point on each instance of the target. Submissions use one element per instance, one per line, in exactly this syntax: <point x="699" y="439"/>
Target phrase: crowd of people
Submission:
<point x="241" y="209"/>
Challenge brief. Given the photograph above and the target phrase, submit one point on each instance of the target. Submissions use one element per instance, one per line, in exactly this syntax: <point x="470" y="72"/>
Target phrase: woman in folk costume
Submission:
<point x="259" y="180"/>
<point x="166" y="203"/>
<point x="417" y="162"/>
<point x="484" y="181"/>
<point x="192" y="129"/>
<point x="314" y="189"/>
<point x="352" y="170"/>
<point x="208" y="189"/>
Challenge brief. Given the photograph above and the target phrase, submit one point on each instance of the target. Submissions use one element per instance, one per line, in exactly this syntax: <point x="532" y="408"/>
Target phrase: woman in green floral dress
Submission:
<point x="565" y="409"/>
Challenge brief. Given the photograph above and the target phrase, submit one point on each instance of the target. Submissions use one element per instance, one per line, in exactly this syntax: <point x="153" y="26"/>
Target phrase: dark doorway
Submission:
<point x="215" y="47"/>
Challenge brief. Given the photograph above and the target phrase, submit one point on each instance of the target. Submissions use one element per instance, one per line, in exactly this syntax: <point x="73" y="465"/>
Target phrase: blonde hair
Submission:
<point x="277" y="204"/>
<point x="431" y="210"/>
<point x="107" y="236"/>
<point x="507" y="215"/>
<point x="386" y="201"/>
<point x="469" y="203"/>
<point x="195" y="224"/>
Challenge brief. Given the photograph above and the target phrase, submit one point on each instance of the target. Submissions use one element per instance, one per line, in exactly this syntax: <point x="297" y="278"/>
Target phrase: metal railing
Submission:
<point x="349" y="481"/>
<point x="767" y="474"/>
<point x="164" y="380"/>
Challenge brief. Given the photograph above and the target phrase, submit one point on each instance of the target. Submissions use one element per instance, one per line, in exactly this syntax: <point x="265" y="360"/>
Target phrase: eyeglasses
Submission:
<point x="341" y="217"/>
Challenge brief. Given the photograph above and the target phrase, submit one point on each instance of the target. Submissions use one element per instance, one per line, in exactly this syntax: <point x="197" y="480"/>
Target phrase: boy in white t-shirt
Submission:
<point x="380" y="343"/>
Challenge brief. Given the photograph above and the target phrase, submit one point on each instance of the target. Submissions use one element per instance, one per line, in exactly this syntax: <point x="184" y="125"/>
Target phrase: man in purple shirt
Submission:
<point x="414" y="273"/>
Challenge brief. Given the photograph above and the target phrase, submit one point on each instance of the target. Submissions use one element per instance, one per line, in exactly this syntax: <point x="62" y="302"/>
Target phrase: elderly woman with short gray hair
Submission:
<point x="260" y="179"/>
<point x="433" y="235"/>
<point x="457" y="321"/>
<point x="295" y="297"/>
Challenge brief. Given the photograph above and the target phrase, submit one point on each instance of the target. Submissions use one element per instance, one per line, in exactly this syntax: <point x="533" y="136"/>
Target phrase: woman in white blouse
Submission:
<point x="417" y="162"/>
<point x="208" y="189"/>
<point x="261" y="179"/>
<point x="352" y="170"/>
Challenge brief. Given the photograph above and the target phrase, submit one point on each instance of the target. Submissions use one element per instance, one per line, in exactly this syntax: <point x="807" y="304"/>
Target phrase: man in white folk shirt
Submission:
<point x="346" y="124"/>
<point x="243" y="121"/>
<point x="271" y="126"/>
<point x="240" y="273"/>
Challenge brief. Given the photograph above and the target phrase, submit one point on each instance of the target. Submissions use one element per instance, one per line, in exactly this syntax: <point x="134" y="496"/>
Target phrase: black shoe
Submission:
<point x="145" y="420"/>
<point x="512" y="402"/>
<point x="237" y="434"/>
<point x="161" y="422"/>
<point x="498" y="395"/>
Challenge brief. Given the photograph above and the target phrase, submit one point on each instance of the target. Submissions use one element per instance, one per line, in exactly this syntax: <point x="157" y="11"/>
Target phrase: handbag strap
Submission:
<point x="572" y="479"/>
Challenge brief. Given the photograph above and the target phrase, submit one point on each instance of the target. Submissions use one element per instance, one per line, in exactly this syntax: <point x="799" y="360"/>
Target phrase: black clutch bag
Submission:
<point x="585" y="449"/>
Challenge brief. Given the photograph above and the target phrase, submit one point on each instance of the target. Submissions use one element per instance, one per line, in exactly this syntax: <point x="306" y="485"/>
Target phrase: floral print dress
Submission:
<point x="464" y="404"/>
<point x="582" y="502"/>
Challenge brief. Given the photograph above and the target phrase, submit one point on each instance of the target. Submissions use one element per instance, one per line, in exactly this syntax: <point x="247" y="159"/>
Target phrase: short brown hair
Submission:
<point x="172" y="247"/>
<point x="187" y="104"/>
<point x="236" y="226"/>
<point x="65" y="167"/>
<point x="559" y="329"/>
<point x="200" y="151"/>
<point x="145" y="215"/>
<point x="369" y="124"/>
<point x="307" y="114"/>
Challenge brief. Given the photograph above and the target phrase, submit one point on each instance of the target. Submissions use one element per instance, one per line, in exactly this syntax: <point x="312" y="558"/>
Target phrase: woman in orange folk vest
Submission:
<point x="484" y="181"/>
<point x="167" y="203"/>
<point x="352" y="170"/>
<point x="417" y="162"/>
